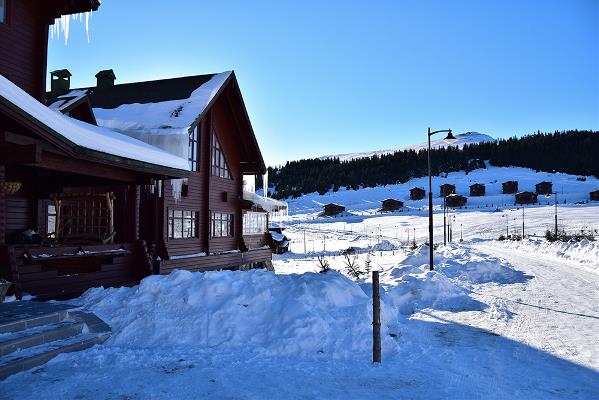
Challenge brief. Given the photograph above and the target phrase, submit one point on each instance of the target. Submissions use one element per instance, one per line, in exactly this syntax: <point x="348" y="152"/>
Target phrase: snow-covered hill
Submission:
<point x="462" y="139"/>
<point x="569" y="188"/>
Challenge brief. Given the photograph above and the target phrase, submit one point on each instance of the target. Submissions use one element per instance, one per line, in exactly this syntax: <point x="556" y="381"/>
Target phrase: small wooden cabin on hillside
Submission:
<point x="332" y="209"/>
<point x="389" y="205"/>
<point x="455" y="200"/>
<point x="417" y="193"/>
<point x="594" y="195"/>
<point x="446" y="189"/>
<point x="477" y="189"/>
<point x="544" y="188"/>
<point x="526" y="198"/>
<point x="509" y="187"/>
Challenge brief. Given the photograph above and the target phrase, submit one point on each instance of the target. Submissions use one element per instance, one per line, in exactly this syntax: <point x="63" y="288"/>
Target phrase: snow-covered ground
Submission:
<point x="494" y="320"/>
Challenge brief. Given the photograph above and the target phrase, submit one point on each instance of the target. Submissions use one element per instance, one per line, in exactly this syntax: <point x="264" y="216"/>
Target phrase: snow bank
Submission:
<point x="412" y="286"/>
<point x="321" y="315"/>
<point x="585" y="252"/>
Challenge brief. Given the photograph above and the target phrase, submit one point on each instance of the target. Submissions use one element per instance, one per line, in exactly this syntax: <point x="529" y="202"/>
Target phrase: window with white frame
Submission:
<point x="182" y="224"/>
<point x="254" y="223"/>
<point x="221" y="224"/>
<point x="51" y="220"/>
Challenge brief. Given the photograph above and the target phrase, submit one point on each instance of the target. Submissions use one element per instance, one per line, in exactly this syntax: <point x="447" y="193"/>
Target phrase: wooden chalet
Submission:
<point x="82" y="205"/>
<point x="455" y="200"/>
<point x="509" y="187"/>
<point x="417" y="193"/>
<point x="68" y="192"/>
<point x="332" y="209"/>
<point x="203" y="223"/>
<point x="594" y="195"/>
<point x="477" y="189"/>
<point x="446" y="189"/>
<point x="526" y="198"/>
<point x="544" y="188"/>
<point x="389" y="205"/>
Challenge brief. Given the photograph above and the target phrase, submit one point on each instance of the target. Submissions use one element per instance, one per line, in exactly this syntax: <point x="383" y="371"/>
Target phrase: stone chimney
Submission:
<point x="105" y="79"/>
<point x="60" y="82"/>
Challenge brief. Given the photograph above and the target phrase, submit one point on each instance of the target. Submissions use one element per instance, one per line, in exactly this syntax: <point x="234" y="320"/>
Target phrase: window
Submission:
<point x="193" y="148"/>
<point x="221" y="224"/>
<point x="254" y="223"/>
<point x="2" y="11"/>
<point x="182" y="224"/>
<point x="51" y="220"/>
<point x="219" y="164"/>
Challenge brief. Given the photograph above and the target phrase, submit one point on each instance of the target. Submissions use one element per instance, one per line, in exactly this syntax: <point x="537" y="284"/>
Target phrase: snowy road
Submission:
<point x="557" y="311"/>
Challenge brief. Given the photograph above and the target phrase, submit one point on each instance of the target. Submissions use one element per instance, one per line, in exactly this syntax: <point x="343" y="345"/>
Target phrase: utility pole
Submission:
<point x="555" y="193"/>
<point x="444" y="223"/>
<point x="522" y="221"/>
<point x="376" y="318"/>
<point x="305" y="252"/>
<point x="461" y="237"/>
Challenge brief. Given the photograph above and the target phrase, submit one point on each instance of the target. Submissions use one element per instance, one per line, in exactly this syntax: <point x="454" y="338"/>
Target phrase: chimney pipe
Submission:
<point x="105" y="79"/>
<point x="60" y="82"/>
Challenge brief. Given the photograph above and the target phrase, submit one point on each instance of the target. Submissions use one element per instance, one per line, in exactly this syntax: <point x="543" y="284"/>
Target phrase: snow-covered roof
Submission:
<point x="267" y="203"/>
<point x="161" y="116"/>
<point x="85" y="135"/>
<point x="66" y="100"/>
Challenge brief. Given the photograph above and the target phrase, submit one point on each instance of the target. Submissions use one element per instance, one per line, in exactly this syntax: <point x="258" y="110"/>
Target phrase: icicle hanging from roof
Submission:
<point x="62" y="24"/>
<point x="265" y="182"/>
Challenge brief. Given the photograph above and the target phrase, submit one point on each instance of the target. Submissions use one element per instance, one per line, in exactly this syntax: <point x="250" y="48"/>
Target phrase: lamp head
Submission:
<point x="450" y="138"/>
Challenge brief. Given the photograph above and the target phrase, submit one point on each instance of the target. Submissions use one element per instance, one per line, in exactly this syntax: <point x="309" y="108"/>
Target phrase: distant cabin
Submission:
<point x="544" y="188"/>
<point x="391" y="205"/>
<point x="477" y="189"/>
<point x="446" y="189"/>
<point x="417" y="193"/>
<point x="526" y="198"/>
<point x="510" y="187"/>
<point x="594" y="195"/>
<point x="455" y="200"/>
<point x="332" y="209"/>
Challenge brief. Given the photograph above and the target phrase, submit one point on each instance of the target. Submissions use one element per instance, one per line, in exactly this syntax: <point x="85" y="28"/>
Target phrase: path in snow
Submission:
<point x="557" y="311"/>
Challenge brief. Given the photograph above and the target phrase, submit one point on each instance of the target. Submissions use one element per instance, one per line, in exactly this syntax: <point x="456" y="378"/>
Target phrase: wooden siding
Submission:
<point x="43" y="282"/>
<point x="23" y="46"/>
<point x="216" y="261"/>
<point x="2" y="209"/>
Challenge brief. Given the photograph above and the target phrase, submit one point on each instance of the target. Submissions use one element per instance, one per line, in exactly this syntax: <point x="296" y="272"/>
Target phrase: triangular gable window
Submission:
<point x="219" y="164"/>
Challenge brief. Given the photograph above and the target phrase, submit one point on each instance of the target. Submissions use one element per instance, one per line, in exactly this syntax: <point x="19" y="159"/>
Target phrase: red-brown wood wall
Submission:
<point x="24" y="44"/>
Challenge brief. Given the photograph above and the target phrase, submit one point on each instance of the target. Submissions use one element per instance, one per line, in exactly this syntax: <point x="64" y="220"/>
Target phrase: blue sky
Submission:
<point x="342" y="76"/>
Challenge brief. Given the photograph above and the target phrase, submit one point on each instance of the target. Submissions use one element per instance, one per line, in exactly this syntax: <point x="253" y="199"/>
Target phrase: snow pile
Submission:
<point x="585" y="251"/>
<point x="412" y="286"/>
<point x="278" y="315"/>
<point x="384" y="245"/>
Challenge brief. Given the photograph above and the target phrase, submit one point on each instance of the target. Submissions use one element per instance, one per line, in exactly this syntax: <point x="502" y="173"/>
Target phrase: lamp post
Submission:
<point x="449" y="139"/>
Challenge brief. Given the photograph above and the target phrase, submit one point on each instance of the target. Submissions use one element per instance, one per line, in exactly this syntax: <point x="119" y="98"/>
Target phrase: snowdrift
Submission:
<point x="411" y="286"/>
<point x="322" y="315"/>
<point x="584" y="252"/>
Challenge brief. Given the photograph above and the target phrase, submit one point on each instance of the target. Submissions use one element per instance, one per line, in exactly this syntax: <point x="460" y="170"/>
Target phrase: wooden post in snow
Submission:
<point x="376" y="318"/>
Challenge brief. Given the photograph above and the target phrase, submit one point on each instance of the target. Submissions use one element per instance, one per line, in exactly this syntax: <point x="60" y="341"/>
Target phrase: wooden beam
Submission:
<point x="66" y="164"/>
<point x="20" y="154"/>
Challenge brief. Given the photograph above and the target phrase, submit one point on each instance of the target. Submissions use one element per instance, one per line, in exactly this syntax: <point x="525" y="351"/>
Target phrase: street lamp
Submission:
<point x="449" y="139"/>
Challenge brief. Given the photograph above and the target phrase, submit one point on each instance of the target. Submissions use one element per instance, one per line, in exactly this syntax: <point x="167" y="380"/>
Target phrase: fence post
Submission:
<point x="376" y="318"/>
